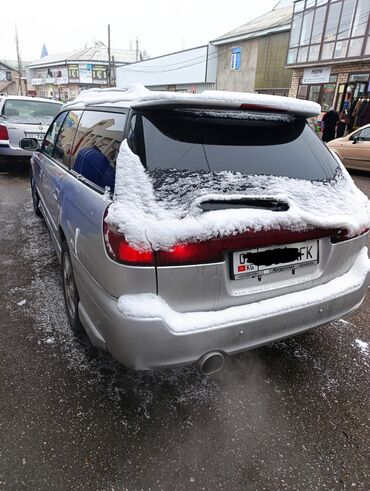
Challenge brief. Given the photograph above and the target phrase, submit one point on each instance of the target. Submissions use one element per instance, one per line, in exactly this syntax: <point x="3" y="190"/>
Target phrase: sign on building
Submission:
<point x="99" y="74"/>
<point x="73" y="74"/>
<point x="316" y="75"/>
<point x="86" y="75"/>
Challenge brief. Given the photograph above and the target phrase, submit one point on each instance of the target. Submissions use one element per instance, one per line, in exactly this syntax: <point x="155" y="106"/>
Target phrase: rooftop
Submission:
<point x="97" y="53"/>
<point x="279" y="19"/>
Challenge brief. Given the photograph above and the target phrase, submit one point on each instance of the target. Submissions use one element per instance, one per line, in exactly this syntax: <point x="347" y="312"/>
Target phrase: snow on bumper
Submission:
<point x="177" y="338"/>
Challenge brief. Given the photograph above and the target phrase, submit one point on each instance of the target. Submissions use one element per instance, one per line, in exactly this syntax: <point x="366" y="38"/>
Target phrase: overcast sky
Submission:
<point x="162" y="26"/>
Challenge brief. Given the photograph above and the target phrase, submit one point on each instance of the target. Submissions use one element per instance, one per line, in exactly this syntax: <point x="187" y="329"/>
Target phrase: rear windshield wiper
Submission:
<point x="261" y="203"/>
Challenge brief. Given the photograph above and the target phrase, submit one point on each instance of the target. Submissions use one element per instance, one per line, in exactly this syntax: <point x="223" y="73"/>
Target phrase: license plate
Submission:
<point x="38" y="136"/>
<point x="266" y="260"/>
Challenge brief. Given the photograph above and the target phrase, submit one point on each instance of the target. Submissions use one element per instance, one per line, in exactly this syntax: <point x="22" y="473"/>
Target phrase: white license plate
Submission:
<point x="38" y="136"/>
<point x="266" y="260"/>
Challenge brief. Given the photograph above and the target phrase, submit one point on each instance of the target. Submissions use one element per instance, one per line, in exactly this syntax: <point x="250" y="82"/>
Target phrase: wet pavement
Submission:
<point x="293" y="415"/>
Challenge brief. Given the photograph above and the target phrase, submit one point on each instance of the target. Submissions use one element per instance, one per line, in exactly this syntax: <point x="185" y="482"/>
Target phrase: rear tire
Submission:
<point x="35" y="196"/>
<point x="71" y="297"/>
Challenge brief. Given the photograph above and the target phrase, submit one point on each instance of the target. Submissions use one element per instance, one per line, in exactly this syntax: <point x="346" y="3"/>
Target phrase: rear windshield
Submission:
<point x="236" y="141"/>
<point x="31" y="112"/>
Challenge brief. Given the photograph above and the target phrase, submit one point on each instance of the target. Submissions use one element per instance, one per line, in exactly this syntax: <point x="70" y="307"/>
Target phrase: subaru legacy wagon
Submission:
<point x="193" y="226"/>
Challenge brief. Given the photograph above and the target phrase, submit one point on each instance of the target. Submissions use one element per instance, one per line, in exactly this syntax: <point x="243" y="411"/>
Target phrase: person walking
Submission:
<point x="329" y="121"/>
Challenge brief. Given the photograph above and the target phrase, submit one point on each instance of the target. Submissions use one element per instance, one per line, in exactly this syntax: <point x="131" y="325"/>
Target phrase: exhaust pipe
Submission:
<point x="211" y="362"/>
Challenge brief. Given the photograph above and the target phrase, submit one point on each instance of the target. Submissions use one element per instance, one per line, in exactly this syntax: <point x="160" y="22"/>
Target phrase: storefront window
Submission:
<point x="355" y="47"/>
<point x="302" y="92"/>
<point x="314" y="94"/>
<point x="327" y="96"/>
<point x="333" y="20"/>
<point x="340" y="50"/>
<point x="359" y="77"/>
<point x="327" y="51"/>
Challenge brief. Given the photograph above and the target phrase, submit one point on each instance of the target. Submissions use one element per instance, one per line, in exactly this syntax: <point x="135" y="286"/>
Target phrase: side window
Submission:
<point x="364" y="135"/>
<point x="63" y="146"/>
<point x="52" y="134"/>
<point x="98" y="138"/>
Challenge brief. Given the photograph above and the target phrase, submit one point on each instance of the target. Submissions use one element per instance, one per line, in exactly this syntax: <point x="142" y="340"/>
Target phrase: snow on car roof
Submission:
<point x="27" y="98"/>
<point x="137" y="95"/>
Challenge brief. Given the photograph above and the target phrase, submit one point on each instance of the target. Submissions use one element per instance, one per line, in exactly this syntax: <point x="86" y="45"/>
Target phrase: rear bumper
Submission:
<point x="144" y="332"/>
<point x="8" y="151"/>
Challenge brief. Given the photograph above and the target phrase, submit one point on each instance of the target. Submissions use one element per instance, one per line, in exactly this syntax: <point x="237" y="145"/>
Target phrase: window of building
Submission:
<point x="330" y="29"/>
<point x="321" y="93"/>
<point x="318" y="25"/>
<point x="332" y="21"/>
<point x="361" y="18"/>
<point x="96" y="146"/>
<point x="235" y="58"/>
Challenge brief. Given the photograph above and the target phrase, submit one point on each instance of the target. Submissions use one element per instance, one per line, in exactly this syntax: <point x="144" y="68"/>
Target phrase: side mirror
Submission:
<point x="30" y="144"/>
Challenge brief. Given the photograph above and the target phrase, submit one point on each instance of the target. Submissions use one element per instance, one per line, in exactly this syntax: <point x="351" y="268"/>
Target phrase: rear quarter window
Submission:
<point x="96" y="146"/>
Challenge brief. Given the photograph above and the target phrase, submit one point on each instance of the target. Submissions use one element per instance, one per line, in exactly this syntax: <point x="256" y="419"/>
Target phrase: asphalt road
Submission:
<point x="293" y="415"/>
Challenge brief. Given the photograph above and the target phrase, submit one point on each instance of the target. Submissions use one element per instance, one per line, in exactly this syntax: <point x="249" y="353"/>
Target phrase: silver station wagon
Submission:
<point x="193" y="226"/>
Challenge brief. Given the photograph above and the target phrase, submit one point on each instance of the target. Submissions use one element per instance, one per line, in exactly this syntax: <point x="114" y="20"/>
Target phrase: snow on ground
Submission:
<point x="159" y="217"/>
<point x="364" y="347"/>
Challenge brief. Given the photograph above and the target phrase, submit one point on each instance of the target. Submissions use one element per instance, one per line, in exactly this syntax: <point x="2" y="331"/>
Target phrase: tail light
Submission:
<point x="121" y="251"/>
<point x="4" y="135"/>
<point x="209" y="251"/>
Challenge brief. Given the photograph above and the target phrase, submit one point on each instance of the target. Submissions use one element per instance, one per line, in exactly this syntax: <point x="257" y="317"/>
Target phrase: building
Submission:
<point x="252" y="57"/>
<point x="65" y="75"/>
<point x="329" y="52"/>
<point x="190" y="70"/>
<point x="10" y="82"/>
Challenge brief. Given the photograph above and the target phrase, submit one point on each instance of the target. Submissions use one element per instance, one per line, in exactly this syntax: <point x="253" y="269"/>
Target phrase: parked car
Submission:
<point x="23" y="117"/>
<point x="194" y="226"/>
<point x="354" y="149"/>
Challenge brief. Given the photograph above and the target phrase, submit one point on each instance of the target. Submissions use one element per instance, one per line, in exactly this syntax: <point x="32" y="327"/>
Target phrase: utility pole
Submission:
<point x="109" y="60"/>
<point x="20" y="88"/>
<point x="137" y="48"/>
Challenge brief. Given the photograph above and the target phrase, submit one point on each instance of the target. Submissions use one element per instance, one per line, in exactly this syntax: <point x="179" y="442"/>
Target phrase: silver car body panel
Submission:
<point x="75" y="211"/>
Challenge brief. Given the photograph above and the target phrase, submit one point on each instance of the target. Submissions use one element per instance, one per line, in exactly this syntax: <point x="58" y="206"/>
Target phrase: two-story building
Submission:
<point x="329" y="52"/>
<point x="65" y="75"/>
<point x="251" y="58"/>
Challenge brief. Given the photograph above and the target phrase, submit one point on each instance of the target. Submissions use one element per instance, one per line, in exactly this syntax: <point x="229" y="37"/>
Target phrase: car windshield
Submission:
<point x="30" y="111"/>
<point x="253" y="143"/>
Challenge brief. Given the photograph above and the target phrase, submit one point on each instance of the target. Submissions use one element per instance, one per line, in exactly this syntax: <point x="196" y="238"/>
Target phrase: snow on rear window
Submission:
<point x="160" y="211"/>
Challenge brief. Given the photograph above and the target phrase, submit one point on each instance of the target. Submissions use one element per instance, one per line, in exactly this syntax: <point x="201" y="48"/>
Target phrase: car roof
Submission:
<point x="137" y="96"/>
<point x="26" y="98"/>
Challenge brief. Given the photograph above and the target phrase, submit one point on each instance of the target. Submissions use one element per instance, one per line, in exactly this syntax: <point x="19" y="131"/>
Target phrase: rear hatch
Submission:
<point x="27" y="118"/>
<point x="215" y="161"/>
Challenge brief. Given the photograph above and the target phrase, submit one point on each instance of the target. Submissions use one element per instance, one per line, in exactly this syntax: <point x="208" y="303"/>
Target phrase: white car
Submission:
<point x="24" y="117"/>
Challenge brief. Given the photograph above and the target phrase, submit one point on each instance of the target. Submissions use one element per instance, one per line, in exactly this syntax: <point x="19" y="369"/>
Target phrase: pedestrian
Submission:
<point x="329" y="123"/>
<point x="341" y="127"/>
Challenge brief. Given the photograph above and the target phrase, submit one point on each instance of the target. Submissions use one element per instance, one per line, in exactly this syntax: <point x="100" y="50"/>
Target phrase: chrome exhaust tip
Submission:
<point x="211" y="362"/>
